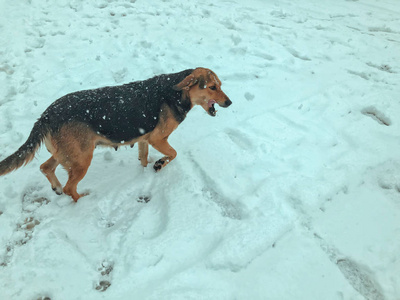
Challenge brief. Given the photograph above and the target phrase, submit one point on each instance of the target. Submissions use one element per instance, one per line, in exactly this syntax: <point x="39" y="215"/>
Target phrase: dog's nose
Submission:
<point x="228" y="102"/>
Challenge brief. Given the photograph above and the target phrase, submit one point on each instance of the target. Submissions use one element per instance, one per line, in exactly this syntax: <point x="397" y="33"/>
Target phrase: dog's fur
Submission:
<point x="143" y="112"/>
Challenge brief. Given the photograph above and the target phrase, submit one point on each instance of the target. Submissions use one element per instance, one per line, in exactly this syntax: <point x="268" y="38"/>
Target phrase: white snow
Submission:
<point x="293" y="192"/>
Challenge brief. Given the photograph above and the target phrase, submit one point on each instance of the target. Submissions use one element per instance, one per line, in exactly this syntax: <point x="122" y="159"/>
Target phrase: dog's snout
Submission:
<point x="227" y="103"/>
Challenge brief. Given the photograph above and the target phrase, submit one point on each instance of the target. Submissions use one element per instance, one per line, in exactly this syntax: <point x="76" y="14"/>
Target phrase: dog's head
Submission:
<point x="204" y="88"/>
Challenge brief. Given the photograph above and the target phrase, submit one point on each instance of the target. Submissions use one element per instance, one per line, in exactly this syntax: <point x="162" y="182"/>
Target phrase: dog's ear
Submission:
<point x="186" y="83"/>
<point x="202" y="82"/>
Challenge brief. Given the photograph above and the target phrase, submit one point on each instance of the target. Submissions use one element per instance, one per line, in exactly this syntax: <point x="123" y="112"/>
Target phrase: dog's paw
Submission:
<point x="159" y="164"/>
<point x="57" y="189"/>
<point x="144" y="162"/>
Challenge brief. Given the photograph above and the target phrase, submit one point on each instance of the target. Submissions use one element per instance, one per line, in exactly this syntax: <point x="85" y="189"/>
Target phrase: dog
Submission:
<point x="144" y="112"/>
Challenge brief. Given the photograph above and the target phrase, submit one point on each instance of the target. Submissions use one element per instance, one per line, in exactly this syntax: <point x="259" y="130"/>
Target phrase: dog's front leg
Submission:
<point x="143" y="153"/>
<point x="165" y="148"/>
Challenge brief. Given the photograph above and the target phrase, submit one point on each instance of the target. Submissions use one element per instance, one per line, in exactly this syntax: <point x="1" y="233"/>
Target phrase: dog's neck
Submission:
<point x="181" y="107"/>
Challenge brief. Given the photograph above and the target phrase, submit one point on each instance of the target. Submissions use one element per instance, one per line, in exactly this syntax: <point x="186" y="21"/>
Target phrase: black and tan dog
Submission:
<point x="143" y="112"/>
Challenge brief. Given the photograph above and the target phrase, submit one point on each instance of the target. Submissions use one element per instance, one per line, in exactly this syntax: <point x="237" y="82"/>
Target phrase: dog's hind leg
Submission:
<point x="143" y="153"/>
<point x="74" y="146"/>
<point x="76" y="171"/>
<point x="48" y="168"/>
<point x="76" y="164"/>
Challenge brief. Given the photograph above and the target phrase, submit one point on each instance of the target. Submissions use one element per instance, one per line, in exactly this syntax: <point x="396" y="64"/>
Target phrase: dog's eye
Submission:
<point x="213" y="87"/>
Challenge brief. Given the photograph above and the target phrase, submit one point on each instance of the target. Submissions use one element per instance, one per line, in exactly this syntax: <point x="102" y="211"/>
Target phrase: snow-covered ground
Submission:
<point x="293" y="192"/>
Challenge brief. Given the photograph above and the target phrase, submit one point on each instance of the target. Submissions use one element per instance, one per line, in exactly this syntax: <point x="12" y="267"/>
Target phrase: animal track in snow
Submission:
<point x="387" y="175"/>
<point x="296" y="54"/>
<point x="236" y="39"/>
<point x="356" y="274"/>
<point x="6" y="68"/>
<point x="105" y="222"/>
<point x="383" y="29"/>
<point x="264" y="56"/>
<point x="384" y="68"/>
<point x="105" y="270"/>
<point x="359" y="279"/>
<point x="229" y="25"/>
<point x="31" y="204"/>
<point x="363" y="75"/>
<point x="23" y="234"/>
<point x="143" y="199"/>
<point x="5" y="260"/>
<point x="228" y="208"/>
<point x="27" y="227"/>
<point x="119" y="76"/>
<point x="103" y="285"/>
<point x="376" y="115"/>
<point x="31" y="200"/>
<point x="249" y="96"/>
<point x="239" y="138"/>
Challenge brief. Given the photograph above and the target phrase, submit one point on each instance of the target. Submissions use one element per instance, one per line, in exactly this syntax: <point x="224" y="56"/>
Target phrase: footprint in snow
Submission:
<point x="249" y="96"/>
<point x="239" y="138"/>
<point x="106" y="223"/>
<point x="6" y="68"/>
<point x="103" y="285"/>
<point x="27" y="228"/>
<point x="387" y="175"/>
<point x="105" y="270"/>
<point x="32" y="200"/>
<point x="23" y="234"/>
<point x="29" y="224"/>
<point x="376" y="115"/>
<point x="6" y="257"/>
<point x="384" y="68"/>
<point x="357" y="275"/>
<point x="297" y="54"/>
<point x="143" y="199"/>
<point x="363" y="75"/>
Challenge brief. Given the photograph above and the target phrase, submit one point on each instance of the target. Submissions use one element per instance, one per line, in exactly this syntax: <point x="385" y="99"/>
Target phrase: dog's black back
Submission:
<point x="120" y="113"/>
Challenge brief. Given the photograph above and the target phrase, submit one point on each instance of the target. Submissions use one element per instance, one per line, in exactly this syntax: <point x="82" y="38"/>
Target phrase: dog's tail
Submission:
<point x="27" y="151"/>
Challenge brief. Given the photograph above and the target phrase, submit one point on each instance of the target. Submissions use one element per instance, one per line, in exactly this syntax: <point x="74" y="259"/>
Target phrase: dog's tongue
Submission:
<point x="211" y="102"/>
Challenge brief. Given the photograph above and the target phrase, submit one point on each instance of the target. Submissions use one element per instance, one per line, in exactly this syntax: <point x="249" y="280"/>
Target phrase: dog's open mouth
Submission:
<point x="211" y="108"/>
